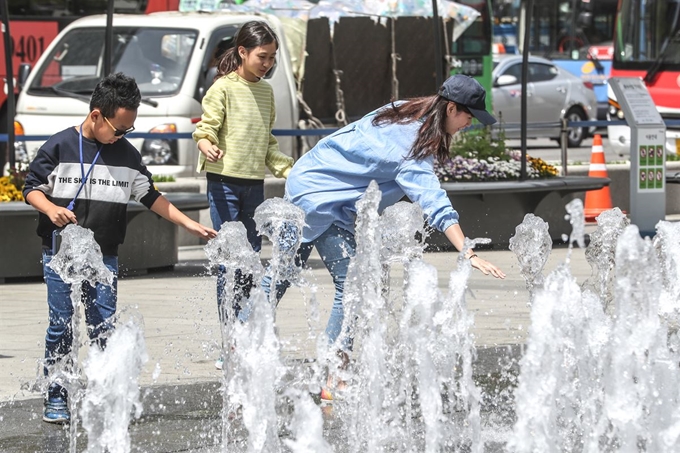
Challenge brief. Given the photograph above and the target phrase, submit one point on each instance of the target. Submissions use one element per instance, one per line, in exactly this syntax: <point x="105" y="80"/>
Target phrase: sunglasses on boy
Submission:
<point x="117" y="132"/>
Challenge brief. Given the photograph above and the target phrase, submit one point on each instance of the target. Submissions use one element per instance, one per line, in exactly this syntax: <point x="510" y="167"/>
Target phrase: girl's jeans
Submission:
<point x="335" y="246"/>
<point x="100" y="306"/>
<point x="231" y="203"/>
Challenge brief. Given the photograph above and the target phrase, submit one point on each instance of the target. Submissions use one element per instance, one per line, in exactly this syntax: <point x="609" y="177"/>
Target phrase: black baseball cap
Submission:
<point x="466" y="91"/>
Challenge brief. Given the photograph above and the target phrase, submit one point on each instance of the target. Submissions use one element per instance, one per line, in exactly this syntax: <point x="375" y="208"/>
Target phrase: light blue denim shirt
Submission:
<point x="327" y="181"/>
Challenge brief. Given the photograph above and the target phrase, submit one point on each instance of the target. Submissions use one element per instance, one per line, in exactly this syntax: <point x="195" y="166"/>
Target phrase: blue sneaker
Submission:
<point x="56" y="411"/>
<point x="56" y="406"/>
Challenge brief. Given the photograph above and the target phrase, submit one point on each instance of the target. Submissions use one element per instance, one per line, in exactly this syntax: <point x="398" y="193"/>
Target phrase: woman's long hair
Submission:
<point x="251" y="35"/>
<point x="432" y="140"/>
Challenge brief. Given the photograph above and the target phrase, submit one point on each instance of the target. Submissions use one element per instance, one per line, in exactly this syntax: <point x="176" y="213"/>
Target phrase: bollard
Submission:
<point x="563" y="146"/>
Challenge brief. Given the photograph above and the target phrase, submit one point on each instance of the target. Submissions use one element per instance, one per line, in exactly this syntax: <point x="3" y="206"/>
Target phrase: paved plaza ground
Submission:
<point x="180" y="385"/>
<point x="180" y="316"/>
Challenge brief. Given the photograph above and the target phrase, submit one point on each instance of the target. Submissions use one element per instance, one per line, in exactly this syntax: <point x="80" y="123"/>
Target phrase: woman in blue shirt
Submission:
<point x="395" y="146"/>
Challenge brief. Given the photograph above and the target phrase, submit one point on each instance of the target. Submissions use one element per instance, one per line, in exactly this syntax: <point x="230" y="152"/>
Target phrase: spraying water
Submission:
<point x="600" y="254"/>
<point x="79" y="260"/>
<point x="412" y="373"/>
<point x="112" y="396"/>
<point x="599" y="374"/>
<point x="600" y="370"/>
<point x="231" y="249"/>
<point x="532" y="245"/>
<point x="253" y="370"/>
<point x="282" y="223"/>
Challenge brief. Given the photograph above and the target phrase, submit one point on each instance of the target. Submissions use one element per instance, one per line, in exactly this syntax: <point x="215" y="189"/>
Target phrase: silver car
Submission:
<point x="552" y="94"/>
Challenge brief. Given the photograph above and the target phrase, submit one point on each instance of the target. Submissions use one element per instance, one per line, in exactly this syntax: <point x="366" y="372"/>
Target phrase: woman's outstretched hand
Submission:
<point x="486" y="267"/>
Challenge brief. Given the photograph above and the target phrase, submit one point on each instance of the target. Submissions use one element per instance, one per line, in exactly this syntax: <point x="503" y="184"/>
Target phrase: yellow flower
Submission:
<point x="8" y="191"/>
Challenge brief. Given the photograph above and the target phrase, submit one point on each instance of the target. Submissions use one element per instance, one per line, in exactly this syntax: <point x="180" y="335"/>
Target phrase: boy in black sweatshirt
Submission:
<point x="86" y="174"/>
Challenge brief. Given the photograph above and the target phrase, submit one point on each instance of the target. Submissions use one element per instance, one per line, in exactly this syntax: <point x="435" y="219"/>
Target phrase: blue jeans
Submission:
<point x="335" y="246"/>
<point x="100" y="306"/>
<point x="231" y="203"/>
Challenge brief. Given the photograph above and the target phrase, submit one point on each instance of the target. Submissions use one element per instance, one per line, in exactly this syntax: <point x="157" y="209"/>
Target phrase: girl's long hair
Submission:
<point x="432" y="140"/>
<point x="251" y="35"/>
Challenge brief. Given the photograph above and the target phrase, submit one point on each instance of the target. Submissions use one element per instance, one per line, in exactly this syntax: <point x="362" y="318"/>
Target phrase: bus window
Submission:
<point x="648" y="28"/>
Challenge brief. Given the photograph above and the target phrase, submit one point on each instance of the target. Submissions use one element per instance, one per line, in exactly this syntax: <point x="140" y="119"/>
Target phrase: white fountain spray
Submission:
<point x="112" y="395"/>
<point x="282" y="223"/>
<point x="231" y="249"/>
<point x="365" y="319"/>
<point x="78" y="260"/>
<point x="411" y="385"/>
<point x="306" y="425"/>
<point x="667" y="244"/>
<point x="600" y="371"/>
<point x="601" y="252"/>
<point x="532" y="244"/>
<point x="253" y="371"/>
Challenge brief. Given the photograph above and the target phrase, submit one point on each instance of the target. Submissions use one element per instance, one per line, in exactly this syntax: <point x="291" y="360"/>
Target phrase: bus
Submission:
<point x="33" y="25"/>
<point x="647" y="45"/>
<point x="471" y="53"/>
<point x="575" y="34"/>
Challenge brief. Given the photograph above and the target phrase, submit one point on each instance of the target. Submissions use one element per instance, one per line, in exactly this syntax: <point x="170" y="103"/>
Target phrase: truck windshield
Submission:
<point x="156" y="57"/>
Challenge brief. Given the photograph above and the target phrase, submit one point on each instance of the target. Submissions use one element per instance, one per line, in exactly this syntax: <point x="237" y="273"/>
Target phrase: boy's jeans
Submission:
<point x="99" y="303"/>
<point x="335" y="246"/>
<point x="230" y="203"/>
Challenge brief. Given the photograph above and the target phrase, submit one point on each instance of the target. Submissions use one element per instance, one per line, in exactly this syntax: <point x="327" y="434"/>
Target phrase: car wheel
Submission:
<point x="575" y="135"/>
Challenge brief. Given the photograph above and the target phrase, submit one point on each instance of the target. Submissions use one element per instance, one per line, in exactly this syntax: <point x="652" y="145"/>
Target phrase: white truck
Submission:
<point x="170" y="55"/>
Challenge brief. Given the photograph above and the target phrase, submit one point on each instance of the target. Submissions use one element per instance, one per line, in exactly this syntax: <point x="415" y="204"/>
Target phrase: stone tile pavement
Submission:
<point x="180" y="317"/>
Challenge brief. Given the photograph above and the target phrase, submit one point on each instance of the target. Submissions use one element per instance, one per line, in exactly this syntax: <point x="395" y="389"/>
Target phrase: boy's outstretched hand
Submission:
<point x="199" y="230"/>
<point x="168" y="211"/>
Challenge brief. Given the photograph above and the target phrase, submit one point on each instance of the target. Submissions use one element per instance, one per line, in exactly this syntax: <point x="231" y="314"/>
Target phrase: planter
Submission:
<point x="186" y="185"/>
<point x="494" y="209"/>
<point x="151" y="241"/>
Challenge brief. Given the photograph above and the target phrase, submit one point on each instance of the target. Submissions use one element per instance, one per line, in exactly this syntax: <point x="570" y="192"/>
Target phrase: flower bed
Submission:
<point x="481" y="178"/>
<point x="477" y="156"/>
<point x="493" y="168"/>
<point x="10" y="186"/>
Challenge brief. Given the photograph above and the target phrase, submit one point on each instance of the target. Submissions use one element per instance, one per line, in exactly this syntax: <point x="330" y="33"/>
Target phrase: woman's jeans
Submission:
<point x="335" y="246"/>
<point x="230" y="203"/>
<point x="100" y="306"/>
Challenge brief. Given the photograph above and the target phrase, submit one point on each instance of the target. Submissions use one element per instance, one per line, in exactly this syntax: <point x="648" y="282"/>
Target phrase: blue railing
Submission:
<point x="327" y="131"/>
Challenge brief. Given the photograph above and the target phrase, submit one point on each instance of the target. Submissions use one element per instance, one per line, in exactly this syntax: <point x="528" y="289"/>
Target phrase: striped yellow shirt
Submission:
<point x="238" y="117"/>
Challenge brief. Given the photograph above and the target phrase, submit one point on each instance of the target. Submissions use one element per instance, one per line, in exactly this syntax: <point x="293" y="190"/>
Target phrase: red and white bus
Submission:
<point x="647" y="45"/>
<point x="33" y="25"/>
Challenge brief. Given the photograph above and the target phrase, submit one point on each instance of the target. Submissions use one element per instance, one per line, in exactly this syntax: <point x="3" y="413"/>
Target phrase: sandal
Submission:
<point x="326" y="396"/>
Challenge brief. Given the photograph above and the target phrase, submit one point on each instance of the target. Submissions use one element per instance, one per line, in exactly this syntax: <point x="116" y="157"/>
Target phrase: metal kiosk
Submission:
<point x="647" y="153"/>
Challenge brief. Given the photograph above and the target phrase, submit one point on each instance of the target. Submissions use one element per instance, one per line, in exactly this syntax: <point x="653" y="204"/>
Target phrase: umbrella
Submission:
<point x="295" y="13"/>
<point x="462" y="15"/>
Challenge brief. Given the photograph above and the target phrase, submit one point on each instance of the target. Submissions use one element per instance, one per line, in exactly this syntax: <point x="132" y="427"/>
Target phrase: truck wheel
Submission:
<point x="575" y="135"/>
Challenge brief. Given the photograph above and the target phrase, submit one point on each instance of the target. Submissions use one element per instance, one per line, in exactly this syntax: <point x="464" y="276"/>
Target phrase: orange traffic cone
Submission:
<point x="598" y="200"/>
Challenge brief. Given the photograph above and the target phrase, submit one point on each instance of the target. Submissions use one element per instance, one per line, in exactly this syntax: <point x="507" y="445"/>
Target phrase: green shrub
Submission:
<point x="163" y="178"/>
